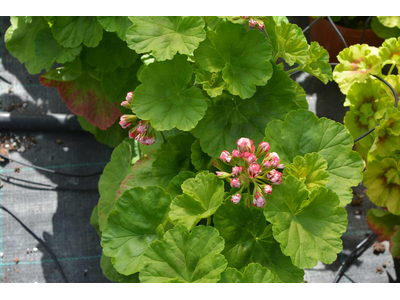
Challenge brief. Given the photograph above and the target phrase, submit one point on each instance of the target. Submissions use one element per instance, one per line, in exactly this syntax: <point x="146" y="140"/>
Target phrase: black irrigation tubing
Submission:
<point x="39" y="240"/>
<point x="312" y="24"/>
<point x="337" y="31"/>
<point x="50" y="170"/>
<point x="5" y="80"/>
<point x="364" y="29"/>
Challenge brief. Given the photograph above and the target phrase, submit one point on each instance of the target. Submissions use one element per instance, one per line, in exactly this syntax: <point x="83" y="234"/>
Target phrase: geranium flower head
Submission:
<point x="236" y="198"/>
<point x="245" y="145"/>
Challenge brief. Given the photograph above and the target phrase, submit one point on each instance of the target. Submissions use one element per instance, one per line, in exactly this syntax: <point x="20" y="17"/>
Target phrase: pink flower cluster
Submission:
<point x="254" y="23"/>
<point x="141" y="130"/>
<point x="247" y="173"/>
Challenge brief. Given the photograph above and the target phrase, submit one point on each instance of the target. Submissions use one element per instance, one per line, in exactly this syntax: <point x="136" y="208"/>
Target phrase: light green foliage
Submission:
<point x="383" y="31"/>
<point x="253" y="273"/>
<point x="387" y="138"/>
<point x="174" y="187"/>
<point x="116" y="24"/>
<point x="318" y="63"/>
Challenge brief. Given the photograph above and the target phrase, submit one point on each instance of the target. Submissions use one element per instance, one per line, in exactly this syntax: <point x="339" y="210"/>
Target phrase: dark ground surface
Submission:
<point x="61" y="218"/>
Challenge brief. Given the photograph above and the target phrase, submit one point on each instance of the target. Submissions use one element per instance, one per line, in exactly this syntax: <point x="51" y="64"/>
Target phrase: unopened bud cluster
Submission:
<point x="254" y="23"/>
<point x="249" y="176"/>
<point x="139" y="130"/>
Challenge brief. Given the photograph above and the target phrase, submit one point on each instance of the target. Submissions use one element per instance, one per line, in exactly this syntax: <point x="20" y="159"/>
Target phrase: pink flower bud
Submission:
<point x="252" y="23"/>
<point x="261" y="25"/>
<point x="258" y="200"/>
<point x="150" y="141"/>
<point x="124" y="124"/>
<point x="249" y="157"/>
<point x="235" y="183"/>
<point x="223" y="175"/>
<point x="254" y="170"/>
<point x="275" y="177"/>
<point x="281" y="166"/>
<point x="132" y="134"/>
<point x="129" y="97"/>
<point x="236" y="171"/>
<point x="126" y="104"/>
<point x="273" y="158"/>
<point x="267" y="164"/>
<point x="268" y="189"/>
<point x="245" y="145"/>
<point x="142" y="128"/>
<point x="264" y="147"/>
<point x="245" y="17"/>
<point x="225" y="156"/>
<point x="236" y="198"/>
<point x="235" y="153"/>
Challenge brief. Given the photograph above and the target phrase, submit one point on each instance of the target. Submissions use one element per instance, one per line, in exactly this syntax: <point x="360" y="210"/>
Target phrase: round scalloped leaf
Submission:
<point x="165" y="36"/>
<point x="243" y="57"/>
<point x="212" y="83"/>
<point x="302" y="132"/>
<point x="253" y="273"/>
<point x="133" y="226"/>
<point x="70" y="32"/>
<point x="356" y="64"/>
<point x="309" y="169"/>
<point x="114" y="173"/>
<point x="201" y="198"/>
<point x="394" y="81"/>
<point x="173" y="159"/>
<point x="390" y="51"/>
<point x="164" y="97"/>
<point x="20" y="41"/>
<point x="382" y="31"/>
<point x="389" y="21"/>
<point x="116" y="24"/>
<point x="300" y="98"/>
<point x="110" y="54"/>
<point x="84" y="96"/>
<point x="387" y="138"/>
<point x="382" y="223"/>
<point x="395" y="243"/>
<point x="293" y="46"/>
<point x="308" y="226"/>
<point x="200" y="160"/>
<point x="174" y="187"/>
<point x="184" y="256"/>
<point x="228" y="119"/>
<point x="382" y="179"/>
<point x="248" y="238"/>
<point x="318" y="63"/>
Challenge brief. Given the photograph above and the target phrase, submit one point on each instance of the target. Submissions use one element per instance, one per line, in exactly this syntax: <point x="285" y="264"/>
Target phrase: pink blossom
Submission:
<point x="236" y="171"/>
<point x="129" y="97"/>
<point x="261" y="25"/>
<point x="264" y="146"/>
<point x="132" y="134"/>
<point x="273" y="158"/>
<point x="235" y="182"/>
<point x="142" y="128"/>
<point x="281" y="166"/>
<point x="267" y="164"/>
<point x="126" y="104"/>
<point x="252" y="23"/>
<point x="225" y="156"/>
<point x="254" y="170"/>
<point x="258" y="200"/>
<point x="223" y="175"/>
<point x="275" y="177"/>
<point x="245" y="17"/>
<point x="235" y="153"/>
<point x="124" y="124"/>
<point x="150" y="141"/>
<point x="249" y="157"/>
<point x="236" y="198"/>
<point x="268" y="189"/>
<point x="245" y="145"/>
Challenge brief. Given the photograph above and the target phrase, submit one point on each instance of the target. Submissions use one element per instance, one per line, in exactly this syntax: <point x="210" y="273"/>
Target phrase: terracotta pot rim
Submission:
<point x="340" y="27"/>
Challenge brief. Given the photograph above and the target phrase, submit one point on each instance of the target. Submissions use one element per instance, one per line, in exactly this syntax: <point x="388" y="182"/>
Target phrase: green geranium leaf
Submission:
<point x="164" y="97"/>
<point x="133" y="226"/>
<point x="118" y="24"/>
<point x="173" y="159"/>
<point x="253" y="273"/>
<point x="174" y="187"/>
<point x="318" y="63"/>
<point x="387" y="134"/>
<point x="84" y="96"/>
<point x="248" y="238"/>
<point x="302" y="132"/>
<point x="71" y="32"/>
<point x="165" y="36"/>
<point x="94" y="220"/>
<point x="292" y="44"/>
<point x="390" y="51"/>
<point x="356" y="64"/>
<point x="185" y="257"/>
<point x="310" y="169"/>
<point x="382" y="223"/>
<point x="108" y="269"/>
<point x="382" y="178"/>
<point x="114" y="173"/>
<point x="228" y="119"/>
<point x="112" y="136"/>
<point x="212" y="83"/>
<point x="383" y="31"/>
<point x="118" y="83"/>
<point x="394" y="81"/>
<point x="115" y="51"/>
<point x="301" y="97"/>
<point x="308" y="226"/>
<point x="243" y="57"/>
<point x="20" y="41"/>
<point x="395" y="243"/>
<point x="353" y="121"/>
<point x="201" y="198"/>
<point x="389" y="21"/>
<point x="200" y="160"/>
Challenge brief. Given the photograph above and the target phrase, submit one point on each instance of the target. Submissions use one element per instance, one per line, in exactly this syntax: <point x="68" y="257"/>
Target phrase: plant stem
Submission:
<point x="163" y="137"/>
<point x="294" y="69"/>
<point x="209" y="221"/>
<point x="391" y="69"/>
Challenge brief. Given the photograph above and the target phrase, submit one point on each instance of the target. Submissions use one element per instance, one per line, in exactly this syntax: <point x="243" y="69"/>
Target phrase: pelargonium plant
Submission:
<point x="372" y="95"/>
<point x="182" y="92"/>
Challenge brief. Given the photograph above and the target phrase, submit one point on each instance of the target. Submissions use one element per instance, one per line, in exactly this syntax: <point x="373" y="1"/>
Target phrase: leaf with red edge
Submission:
<point x="84" y="97"/>
<point x="395" y="242"/>
<point x="382" y="223"/>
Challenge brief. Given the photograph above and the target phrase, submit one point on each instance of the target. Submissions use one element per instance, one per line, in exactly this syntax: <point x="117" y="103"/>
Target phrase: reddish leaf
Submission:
<point x="382" y="223"/>
<point x="84" y="97"/>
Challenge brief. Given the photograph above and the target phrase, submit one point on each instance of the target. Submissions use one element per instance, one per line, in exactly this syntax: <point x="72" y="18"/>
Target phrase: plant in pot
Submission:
<point x="355" y="30"/>
<point x="236" y="181"/>
<point x="372" y="97"/>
